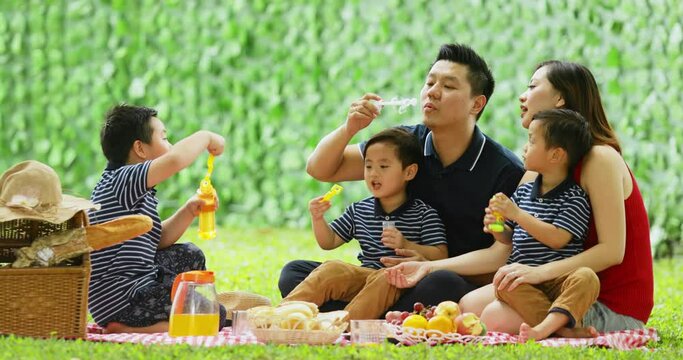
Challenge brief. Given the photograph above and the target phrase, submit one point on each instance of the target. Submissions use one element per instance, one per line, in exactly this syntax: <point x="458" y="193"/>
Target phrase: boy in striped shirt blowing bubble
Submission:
<point x="130" y="283"/>
<point x="391" y="160"/>
<point x="547" y="220"/>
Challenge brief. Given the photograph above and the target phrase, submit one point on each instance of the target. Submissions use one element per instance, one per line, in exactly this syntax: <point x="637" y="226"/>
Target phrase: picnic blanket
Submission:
<point x="621" y="340"/>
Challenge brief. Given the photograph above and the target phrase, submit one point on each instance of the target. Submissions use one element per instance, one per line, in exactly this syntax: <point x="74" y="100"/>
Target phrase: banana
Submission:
<point x="289" y="308"/>
<point x="313" y="307"/>
<point x="294" y="321"/>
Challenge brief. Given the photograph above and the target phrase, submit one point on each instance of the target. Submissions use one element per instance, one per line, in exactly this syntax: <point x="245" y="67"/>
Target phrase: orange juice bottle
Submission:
<point x="194" y="309"/>
<point x="193" y="325"/>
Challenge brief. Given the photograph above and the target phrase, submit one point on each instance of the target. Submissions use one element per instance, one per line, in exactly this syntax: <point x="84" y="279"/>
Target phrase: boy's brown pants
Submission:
<point x="366" y="290"/>
<point x="571" y="294"/>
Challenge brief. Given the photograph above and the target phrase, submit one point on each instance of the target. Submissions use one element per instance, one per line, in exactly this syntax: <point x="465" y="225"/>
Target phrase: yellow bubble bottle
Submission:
<point x="207" y="214"/>
<point x="499" y="225"/>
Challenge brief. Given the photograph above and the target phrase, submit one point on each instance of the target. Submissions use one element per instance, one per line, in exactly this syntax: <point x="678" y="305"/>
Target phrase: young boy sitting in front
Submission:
<point x="547" y="220"/>
<point x="391" y="158"/>
<point x="130" y="284"/>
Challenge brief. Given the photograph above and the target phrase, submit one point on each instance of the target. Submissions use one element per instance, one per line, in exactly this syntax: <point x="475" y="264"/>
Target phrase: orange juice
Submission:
<point x="193" y="325"/>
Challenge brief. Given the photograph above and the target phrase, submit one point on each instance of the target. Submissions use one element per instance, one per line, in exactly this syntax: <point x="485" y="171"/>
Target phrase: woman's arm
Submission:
<point x="484" y="261"/>
<point x="429" y="252"/>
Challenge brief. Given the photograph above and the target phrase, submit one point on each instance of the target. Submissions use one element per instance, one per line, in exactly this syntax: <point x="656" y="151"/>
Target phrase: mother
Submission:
<point x="618" y="243"/>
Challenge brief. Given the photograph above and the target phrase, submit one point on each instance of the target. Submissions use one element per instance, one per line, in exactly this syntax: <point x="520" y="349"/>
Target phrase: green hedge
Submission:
<point x="275" y="76"/>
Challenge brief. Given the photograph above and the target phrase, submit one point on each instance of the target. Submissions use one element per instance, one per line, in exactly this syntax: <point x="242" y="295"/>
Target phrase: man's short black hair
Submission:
<point x="123" y="125"/>
<point x="407" y="146"/>
<point x="479" y="76"/>
<point x="568" y="130"/>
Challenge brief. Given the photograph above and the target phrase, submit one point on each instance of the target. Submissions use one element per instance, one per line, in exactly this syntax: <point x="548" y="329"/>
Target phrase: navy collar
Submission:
<point x="468" y="160"/>
<point x="113" y="166"/>
<point x="379" y="212"/>
<point x="554" y="192"/>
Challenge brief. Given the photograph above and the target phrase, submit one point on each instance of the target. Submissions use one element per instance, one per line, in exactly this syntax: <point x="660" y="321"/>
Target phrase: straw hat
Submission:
<point x="32" y="190"/>
<point x="241" y="300"/>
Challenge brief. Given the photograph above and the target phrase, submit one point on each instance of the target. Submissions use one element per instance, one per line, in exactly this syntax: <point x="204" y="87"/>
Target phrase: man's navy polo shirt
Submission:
<point x="460" y="191"/>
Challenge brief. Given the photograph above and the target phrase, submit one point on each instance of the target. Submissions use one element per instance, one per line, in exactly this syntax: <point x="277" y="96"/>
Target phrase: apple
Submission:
<point x="469" y="324"/>
<point x="449" y="309"/>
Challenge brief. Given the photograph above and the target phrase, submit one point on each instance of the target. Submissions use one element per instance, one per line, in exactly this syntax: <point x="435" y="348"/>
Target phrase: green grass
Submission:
<point x="250" y="260"/>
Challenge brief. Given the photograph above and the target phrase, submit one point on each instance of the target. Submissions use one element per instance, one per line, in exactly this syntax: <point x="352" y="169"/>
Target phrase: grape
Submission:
<point x="429" y="314"/>
<point x="404" y="315"/>
<point x="418" y="307"/>
<point x="392" y="316"/>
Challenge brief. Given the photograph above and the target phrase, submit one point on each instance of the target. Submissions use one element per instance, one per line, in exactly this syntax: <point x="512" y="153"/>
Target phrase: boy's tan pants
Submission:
<point x="571" y="294"/>
<point x="366" y="290"/>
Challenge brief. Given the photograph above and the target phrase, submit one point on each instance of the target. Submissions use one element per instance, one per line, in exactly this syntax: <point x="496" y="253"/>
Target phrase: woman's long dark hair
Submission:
<point x="580" y="93"/>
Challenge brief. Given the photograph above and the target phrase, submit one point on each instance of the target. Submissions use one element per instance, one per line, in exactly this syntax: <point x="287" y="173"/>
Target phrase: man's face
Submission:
<point x="447" y="96"/>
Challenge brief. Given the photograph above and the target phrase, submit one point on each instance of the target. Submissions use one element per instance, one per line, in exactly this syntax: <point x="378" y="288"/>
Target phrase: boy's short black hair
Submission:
<point x="568" y="130"/>
<point x="407" y="146"/>
<point x="123" y="125"/>
<point x="480" y="77"/>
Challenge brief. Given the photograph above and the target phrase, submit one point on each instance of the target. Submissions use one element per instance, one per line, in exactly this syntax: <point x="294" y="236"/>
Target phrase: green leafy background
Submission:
<point x="273" y="77"/>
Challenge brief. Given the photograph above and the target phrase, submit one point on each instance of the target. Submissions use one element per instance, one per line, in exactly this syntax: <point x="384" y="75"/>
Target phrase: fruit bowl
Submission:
<point x="282" y="325"/>
<point x="412" y="336"/>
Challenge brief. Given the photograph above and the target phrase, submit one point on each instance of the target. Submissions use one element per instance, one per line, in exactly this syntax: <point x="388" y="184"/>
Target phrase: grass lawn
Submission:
<point x="250" y="260"/>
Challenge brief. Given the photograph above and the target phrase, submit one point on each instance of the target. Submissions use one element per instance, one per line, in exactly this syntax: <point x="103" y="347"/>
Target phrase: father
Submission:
<point x="461" y="168"/>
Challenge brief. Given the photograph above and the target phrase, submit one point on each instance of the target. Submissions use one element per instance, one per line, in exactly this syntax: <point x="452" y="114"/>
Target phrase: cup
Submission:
<point x="240" y="323"/>
<point x="368" y="331"/>
<point x="388" y="224"/>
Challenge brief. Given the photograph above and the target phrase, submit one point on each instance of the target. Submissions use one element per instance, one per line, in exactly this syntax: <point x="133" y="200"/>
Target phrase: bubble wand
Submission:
<point x="402" y="104"/>
<point x="334" y="191"/>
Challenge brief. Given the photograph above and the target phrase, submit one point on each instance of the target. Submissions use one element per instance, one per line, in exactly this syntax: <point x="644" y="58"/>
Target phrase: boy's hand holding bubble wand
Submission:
<point x="326" y="238"/>
<point x="494" y="221"/>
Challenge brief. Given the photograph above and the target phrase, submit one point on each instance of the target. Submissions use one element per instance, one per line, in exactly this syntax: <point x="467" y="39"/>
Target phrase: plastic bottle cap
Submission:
<point x="198" y="276"/>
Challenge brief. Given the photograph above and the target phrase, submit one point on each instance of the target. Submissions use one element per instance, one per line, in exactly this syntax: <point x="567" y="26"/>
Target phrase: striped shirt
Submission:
<point x="566" y="206"/>
<point x="363" y="221"/>
<point x="121" y="270"/>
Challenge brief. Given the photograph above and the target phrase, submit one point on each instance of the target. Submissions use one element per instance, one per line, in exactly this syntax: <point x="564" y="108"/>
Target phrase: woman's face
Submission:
<point x="540" y="95"/>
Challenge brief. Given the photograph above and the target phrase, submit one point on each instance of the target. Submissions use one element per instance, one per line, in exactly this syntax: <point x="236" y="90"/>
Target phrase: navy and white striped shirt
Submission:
<point x="566" y="206"/>
<point x="121" y="270"/>
<point x="362" y="221"/>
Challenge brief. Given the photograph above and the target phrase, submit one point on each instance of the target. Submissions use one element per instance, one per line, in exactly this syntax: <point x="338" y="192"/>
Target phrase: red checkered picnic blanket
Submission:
<point x="622" y="340"/>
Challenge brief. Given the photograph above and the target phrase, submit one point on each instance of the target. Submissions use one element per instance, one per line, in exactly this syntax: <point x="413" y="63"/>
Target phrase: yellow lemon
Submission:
<point x="415" y="321"/>
<point x="441" y="323"/>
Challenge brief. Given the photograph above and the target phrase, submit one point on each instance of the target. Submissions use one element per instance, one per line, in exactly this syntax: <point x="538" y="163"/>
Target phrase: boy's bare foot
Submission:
<point x="116" y="327"/>
<point x="527" y="333"/>
<point x="588" y="332"/>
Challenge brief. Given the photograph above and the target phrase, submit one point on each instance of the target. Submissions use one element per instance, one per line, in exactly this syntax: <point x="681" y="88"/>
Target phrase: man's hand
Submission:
<point x="317" y="207"/>
<point x="361" y="113"/>
<point x="406" y="275"/>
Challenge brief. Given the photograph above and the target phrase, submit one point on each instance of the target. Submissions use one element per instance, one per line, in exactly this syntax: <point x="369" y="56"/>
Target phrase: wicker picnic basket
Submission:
<point x="45" y="301"/>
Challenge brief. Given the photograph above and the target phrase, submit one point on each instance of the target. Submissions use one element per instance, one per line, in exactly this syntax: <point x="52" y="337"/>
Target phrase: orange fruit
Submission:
<point x="441" y="323"/>
<point x="415" y="321"/>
